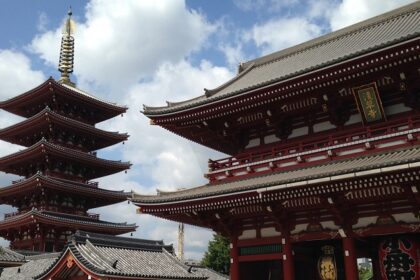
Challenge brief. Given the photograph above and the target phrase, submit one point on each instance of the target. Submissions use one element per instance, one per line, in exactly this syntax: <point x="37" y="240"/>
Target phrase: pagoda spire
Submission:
<point x="65" y="65"/>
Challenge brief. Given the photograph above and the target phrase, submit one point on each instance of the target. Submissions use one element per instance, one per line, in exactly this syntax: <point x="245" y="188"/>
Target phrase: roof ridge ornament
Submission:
<point x="65" y="64"/>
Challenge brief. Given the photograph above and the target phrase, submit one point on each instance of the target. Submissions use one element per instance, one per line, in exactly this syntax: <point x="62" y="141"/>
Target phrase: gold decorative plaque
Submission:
<point x="369" y="103"/>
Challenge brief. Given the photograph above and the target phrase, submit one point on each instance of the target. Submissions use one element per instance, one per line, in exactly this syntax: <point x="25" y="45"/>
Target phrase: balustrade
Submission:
<point x="317" y="146"/>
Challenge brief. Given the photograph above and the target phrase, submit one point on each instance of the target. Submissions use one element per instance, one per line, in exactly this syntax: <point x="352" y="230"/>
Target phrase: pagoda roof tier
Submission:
<point x="47" y="92"/>
<point x="299" y="176"/>
<point x="41" y="123"/>
<point x="65" y="221"/>
<point x="40" y="151"/>
<point x="366" y="37"/>
<point x="99" y="197"/>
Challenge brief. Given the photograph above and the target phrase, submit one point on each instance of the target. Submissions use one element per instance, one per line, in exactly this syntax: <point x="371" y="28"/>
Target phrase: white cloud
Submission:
<point x="234" y="54"/>
<point x="16" y="74"/>
<point x="161" y="159"/>
<point x="168" y="160"/>
<point x="120" y="57"/>
<point x="278" y="34"/>
<point x="122" y="42"/>
<point x="352" y="11"/>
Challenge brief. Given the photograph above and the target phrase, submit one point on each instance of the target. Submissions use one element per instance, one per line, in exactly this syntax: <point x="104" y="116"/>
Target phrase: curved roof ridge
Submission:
<point x="207" y="92"/>
<point x="399" y="26"/>
<point x="135" y="195"/>
<point x="336" y="35"/>
<point x="61" y="255"/>
<point x="247" y="68"/>
<point x="170" y="104"/>
<point x="84" y="235"/>
<point x="117" y="262"/>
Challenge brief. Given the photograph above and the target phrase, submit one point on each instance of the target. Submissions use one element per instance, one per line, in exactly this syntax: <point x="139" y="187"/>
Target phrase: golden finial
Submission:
<point x="65" y="65"/>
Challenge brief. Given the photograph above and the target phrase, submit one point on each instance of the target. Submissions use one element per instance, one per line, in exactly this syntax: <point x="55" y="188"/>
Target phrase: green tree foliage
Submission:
<point x="365" y="273"/>
<point x="217" y="255"/>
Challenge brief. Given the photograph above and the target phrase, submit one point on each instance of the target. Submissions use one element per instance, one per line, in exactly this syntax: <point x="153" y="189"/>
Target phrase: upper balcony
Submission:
<point x="318" y="148"/>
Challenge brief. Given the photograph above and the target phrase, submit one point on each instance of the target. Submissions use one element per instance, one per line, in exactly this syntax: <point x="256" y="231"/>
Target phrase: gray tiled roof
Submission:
<point x="298" y="174"/>
<point x="209" y="273"/>
<point x="33" y="267"/>
<point x="376" y="33"/>
<point x="7" y="255"/>
<point x="102" y="255"/>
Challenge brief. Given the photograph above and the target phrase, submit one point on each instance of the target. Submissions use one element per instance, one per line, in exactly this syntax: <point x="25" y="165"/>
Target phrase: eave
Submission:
<point x="205" y="124"/>
<point x="289" y="180"/>
<point x="102" y="197"/>
<point x="43" y="149"/>
<point x="384" y="31"/>
<point x="49" y="88"/>
<point x="66" y="221"/>
<point x="47" y="117"/>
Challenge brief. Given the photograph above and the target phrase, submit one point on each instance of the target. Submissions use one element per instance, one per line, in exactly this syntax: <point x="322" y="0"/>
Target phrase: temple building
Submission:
<point x="106" y="257"/>
<point x="323" y="162"/>
<point x="58" y="162"/>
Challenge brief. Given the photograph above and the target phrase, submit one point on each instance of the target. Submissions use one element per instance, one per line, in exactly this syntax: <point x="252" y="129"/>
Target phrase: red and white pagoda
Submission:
<point x="58" y="162"/>
<point x="324" y="156"/>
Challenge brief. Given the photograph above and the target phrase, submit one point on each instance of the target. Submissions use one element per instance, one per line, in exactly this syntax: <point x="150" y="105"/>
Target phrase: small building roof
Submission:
<point x="117" y="257"/>
<point x="296" y="176"/>
<point x="8" y="257"/>
<point x="34" y="266"/>
<point x="377" y="33"/>
<point x="209" y="273"/>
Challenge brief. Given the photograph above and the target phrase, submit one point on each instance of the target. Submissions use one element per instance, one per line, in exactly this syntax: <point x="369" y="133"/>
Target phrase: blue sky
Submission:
<point x="137" y="52"/>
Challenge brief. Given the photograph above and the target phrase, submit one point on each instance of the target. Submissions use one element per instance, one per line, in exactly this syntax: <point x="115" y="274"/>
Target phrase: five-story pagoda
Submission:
<point x="58" y="162"/>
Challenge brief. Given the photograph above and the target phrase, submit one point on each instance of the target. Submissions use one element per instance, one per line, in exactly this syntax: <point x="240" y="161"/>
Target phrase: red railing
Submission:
<point x="305" y="145"/>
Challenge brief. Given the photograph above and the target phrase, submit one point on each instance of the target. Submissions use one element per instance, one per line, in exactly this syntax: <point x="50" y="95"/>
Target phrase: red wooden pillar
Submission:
<point x="376" y="269"/>
<point x="288" y="262"/>
<point x="234" y="259"/>
<point x="350" y="259"/>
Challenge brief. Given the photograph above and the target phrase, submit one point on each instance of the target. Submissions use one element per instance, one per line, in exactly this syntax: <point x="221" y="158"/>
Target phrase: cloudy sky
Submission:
<point x="137" y="52"/>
